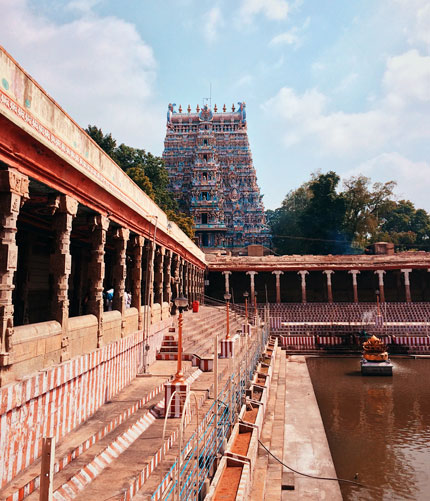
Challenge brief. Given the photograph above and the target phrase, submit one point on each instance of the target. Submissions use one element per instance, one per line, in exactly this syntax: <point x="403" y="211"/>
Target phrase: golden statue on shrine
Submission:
<point x="375" y="350"/>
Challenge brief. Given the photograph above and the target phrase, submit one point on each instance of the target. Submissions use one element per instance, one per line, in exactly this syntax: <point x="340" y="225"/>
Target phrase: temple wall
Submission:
<point x="56" y="400"/>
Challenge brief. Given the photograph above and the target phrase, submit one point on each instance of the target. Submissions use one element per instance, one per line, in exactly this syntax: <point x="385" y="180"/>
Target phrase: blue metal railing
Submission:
<point x="198" y="455"/>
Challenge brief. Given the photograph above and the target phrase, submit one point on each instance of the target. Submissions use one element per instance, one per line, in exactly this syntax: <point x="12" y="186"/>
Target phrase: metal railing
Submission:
<point x="187" y="475"/>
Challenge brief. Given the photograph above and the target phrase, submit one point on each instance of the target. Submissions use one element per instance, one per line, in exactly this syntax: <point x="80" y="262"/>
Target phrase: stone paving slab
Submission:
<point x="305" y="443"/>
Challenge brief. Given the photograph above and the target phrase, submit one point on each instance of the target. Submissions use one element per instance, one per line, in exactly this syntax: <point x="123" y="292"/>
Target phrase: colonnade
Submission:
<point x="328" y="274"/>
<point x="151" y="272"/>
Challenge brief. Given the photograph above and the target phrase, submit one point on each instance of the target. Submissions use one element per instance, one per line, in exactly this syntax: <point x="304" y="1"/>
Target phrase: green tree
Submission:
<point x="148" y="172"/>
<point x="405" y="226"/>
<point x="323" y="217"/>
<point x="364" y="206"/>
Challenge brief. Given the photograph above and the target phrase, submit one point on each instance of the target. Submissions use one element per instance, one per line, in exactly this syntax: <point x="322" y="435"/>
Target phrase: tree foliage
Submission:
<point x="318" y="218"/>
<point x="148" y="172"/>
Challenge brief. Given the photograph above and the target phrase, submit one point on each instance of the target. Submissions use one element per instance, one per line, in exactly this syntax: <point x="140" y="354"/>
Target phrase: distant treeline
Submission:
<point x="148" y="172"/>
<point x="318" y="218"/>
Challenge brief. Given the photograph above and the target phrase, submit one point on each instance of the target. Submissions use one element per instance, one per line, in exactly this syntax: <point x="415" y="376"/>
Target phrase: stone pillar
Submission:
<point x="252" y="285"/>
<point x="354" y="274"/>
<point x="303" y="274"/>
<point x="278" y="274"/>
<point x="121" y="237"/>
<point x="227" y="281"/>
<point x="13" y="193"/>
<point x="175" y="275"/>
<point x="99" y="226"/>
<point x="61" y="266"/>
<point x="158" y="275"/>
<point x="149" y="286"/>
<point x="185" y="279"/>
<point x="407" y="284"/>
<point x="190" y="292"/>
<point x="192" y="283"/>
<point x="167" y="290"/>
<point x="329" y="289"/>
<point x="380" y="274"/>
<point x="136" y="277"/>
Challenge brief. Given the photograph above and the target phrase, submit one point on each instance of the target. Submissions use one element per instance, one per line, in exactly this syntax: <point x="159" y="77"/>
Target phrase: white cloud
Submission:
<point x="98" y="68"/>
<point x="287" y="38"/>
<point x="407" y="78"/>
<point x="346" y="82"/>
<point x="412" y="177"/>
<point x="399" y="116"/>
<point x="213" y="21"/>
<point x="272" y="9"/>
<point x="305" y="117"/>
<point x="82" y="5"/>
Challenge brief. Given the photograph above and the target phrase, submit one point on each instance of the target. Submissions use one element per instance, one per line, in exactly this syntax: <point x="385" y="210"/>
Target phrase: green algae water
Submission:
<point x="377" y="427"/>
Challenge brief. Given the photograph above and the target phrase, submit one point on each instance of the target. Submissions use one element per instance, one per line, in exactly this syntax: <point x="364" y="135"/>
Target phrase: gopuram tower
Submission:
<point x="212" y="176"/>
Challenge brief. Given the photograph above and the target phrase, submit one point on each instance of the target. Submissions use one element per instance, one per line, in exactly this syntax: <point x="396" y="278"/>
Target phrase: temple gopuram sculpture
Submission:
<point x="375" y="359"/>
<point x="211" y="174"/>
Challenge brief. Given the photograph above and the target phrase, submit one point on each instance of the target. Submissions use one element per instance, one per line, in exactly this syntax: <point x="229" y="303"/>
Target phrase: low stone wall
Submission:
<point x="82" y="335"/>
<point x="131" y="321"/>
<point x="52" y="402"/>
<point x="36" y="346"/>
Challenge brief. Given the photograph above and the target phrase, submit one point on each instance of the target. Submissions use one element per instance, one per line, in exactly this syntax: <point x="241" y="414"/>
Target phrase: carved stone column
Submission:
<point x="303" y="274"/>
<point x="380" y="274"/>
<point x="136" y="277"/>
<point x="181" y="277"/>
<point x="149" y="272"/>
<point x="354" y="274"/>
<point x="61" y="266"/>
<point x="99" y="226"/>
<point x="252" y="284"/>
<point x="407" y="284"/>
<point x="121" y="237"/>
<point x="185" y="279"/>
<point x="278" y="274"/>
<point x="158" y="275"/>
<point x="167" y="291"/>
<point x="175" y="275"/>
<point x="190" y="283"/>
<point x="13" y="193"/>
<point x="329" y="289"/>
<point x="227" y="281"/>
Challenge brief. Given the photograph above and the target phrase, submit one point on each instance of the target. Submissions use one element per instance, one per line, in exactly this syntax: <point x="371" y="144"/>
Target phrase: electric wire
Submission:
<point x="315" y="476"/>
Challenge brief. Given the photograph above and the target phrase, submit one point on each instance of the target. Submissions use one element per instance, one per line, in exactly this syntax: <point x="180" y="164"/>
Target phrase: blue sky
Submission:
<point x="329" y="84"/>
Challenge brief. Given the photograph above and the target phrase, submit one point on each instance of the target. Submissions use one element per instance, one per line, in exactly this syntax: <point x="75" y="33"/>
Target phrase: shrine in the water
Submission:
<point x="212" y="175"/>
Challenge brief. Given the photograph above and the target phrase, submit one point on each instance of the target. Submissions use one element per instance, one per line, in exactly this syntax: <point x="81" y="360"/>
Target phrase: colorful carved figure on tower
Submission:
<point x="170" y="111"/>
<point x="211" y="174"/>
<point x="242" y="111"/>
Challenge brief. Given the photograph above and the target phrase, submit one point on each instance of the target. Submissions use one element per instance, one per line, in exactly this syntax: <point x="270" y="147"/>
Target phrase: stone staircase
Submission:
<point x="114" y="453"/>
<point x="268" y="475"/>
<point x="198" y="336"/>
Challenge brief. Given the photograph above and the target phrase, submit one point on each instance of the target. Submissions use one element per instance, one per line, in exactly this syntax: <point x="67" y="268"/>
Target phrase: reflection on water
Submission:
<point x="378" y="427"/>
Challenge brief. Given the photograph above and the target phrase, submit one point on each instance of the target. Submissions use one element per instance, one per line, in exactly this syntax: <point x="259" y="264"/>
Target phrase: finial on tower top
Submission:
<point x="215" y="108"/>
<point x="232" y="107"/>
<point x="189" y="109"/>
<point x="180" y="108"/>
<point x="198" y="108"/>
<point x="224" y="109"/>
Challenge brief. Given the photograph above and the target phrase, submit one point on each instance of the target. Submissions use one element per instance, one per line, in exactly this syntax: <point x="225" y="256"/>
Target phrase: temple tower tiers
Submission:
<point x="212" y="175"/>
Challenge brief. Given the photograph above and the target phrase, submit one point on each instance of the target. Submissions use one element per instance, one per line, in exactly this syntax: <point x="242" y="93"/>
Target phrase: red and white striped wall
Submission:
<point x="298" y="341"/>
<point x="178" y="400"/>
<point x="54" y="401"/>
<point x="411" y="340"/>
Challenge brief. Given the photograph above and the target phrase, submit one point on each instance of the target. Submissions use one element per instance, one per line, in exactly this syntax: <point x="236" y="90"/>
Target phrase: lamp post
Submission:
<point x="255" y="307"/>
<point x="227" y="297"/>
<point x="377" y="302"/>
<point x="245" y="295"/>
<point x="180" y="302"/>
